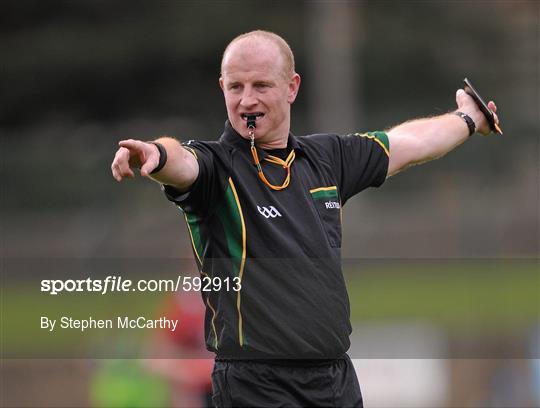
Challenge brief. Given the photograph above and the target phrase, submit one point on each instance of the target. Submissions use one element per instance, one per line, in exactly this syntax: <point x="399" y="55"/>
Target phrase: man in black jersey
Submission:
<point x="263" y="210"/>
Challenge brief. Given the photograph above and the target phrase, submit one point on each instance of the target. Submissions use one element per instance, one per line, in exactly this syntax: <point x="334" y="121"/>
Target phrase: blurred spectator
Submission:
<point x="184" y="360"/>
<point x="127" y="384"/>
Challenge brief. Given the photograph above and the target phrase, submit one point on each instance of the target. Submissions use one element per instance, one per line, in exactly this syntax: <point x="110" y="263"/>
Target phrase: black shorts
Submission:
<point x="290" y="383"/>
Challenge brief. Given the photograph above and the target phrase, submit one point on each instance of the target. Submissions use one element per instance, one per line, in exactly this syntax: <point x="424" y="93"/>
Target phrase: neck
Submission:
<point x="275" y="144"/>
<point x="267" y="142"/>
<point x="274" y="140"/>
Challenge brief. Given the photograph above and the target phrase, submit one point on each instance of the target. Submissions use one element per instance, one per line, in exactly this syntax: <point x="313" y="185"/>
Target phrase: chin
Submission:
<point x="240" y="127"/>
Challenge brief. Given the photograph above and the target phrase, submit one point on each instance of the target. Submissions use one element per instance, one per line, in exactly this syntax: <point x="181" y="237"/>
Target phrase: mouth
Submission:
<point x="252" y="116"/>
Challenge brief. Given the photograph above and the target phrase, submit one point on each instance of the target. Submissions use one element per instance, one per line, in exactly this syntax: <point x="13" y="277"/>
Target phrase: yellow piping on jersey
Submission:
<point x="189" y="149"/>
<point x="323" y="189"/>
<point x="375" y="139"/>
<point x="242" y="263"/>
<point x="192" y="241"/>
<point x="213" y="314"/>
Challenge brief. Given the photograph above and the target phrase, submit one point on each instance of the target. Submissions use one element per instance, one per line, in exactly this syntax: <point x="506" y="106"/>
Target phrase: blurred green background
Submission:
<point x="78" y="76"/>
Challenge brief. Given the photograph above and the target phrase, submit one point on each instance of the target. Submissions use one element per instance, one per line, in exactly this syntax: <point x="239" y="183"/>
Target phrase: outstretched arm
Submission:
<point x="180" y="170"/>
<point x="421" y="140"/>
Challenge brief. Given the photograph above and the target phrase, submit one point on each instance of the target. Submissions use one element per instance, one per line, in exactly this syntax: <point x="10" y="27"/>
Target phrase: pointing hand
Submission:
<point x="134" y="154"/>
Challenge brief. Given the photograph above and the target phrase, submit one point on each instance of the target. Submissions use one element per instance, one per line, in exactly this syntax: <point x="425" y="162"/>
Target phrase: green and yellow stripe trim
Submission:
<point x="213" y="315"/>
<point x="194" y="234"/>
<point x="242" y="264"/>
<point x="324" y="192"/>
<point x="191" y="220"/>
<point x="232" y="217"/>
<point x="380" y="137"/>
<point x="327" y="193"/>
<point x="234" y="225"/>
<point x="189" y="149"/>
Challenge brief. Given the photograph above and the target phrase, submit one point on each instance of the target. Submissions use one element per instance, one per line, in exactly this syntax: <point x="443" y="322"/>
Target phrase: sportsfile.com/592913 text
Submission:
<point x="118" y="284"/>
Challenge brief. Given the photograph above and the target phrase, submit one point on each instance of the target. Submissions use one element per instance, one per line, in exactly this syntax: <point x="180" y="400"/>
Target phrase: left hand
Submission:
<point x="466" y="104"/>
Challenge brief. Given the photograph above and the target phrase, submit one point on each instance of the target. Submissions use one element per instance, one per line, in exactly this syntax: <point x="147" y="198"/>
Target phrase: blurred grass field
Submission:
<point x="459" y="297"/>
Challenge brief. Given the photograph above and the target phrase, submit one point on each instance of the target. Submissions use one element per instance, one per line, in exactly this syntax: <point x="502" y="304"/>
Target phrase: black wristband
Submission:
<point x="162" y="157"/>
<point x="470" y="123"/>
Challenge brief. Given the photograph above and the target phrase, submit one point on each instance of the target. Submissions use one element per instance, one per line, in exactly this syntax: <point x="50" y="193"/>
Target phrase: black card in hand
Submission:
<point x="483" y="106"/>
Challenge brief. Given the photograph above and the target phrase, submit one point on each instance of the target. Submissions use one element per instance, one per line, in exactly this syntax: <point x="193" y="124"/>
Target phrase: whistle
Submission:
<point x="250" y="121"/>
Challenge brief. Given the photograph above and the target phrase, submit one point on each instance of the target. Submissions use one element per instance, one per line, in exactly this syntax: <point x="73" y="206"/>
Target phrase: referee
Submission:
<point x="263" y="210"/>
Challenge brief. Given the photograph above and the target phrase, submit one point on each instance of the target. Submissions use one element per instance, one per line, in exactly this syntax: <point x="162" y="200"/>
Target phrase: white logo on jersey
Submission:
<point x="332" y="204"/>
<point x="269" y="212"/>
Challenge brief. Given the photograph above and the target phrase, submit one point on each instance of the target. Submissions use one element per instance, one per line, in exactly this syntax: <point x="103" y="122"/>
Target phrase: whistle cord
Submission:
<point x="286" y="164"/>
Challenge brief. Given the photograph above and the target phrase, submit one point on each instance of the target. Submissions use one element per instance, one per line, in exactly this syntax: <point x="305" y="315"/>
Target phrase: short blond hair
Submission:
<point x="283" y="47"/>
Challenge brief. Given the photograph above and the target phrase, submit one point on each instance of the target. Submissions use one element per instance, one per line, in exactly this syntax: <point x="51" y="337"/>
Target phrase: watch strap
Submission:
<point x="162" y="157"/>
<point x="470" y="123"/>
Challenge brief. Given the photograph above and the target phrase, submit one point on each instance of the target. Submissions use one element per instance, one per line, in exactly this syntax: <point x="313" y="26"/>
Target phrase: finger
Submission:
<point x="150" y="165"/>
<point x="115" y="173"/>
<point x="121" y="163"/>
<point x="458" y="96"/>
<point x="461" y="98"/>
<point x="120" y="174"/>
<point x="138" y="152"/>
<point x="115" y="169"/>
<point x="493" y="108"/>
<point x="123" y="166"/>
<point x="121" y="159"/>
<point x="496" y="117"/>
<point x="151" y="161"/>
<point x="132" y="144"/>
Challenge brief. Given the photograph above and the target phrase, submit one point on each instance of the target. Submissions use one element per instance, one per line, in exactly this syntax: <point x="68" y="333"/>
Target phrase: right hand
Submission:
<point x="466" y="104"/>
<point x="134" y="154"/>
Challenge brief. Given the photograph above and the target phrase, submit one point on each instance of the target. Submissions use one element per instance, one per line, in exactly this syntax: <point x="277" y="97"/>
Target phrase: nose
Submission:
<point x="249" y="99"/>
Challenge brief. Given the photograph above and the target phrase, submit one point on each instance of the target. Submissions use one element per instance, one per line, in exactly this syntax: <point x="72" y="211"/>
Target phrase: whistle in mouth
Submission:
<point x="250" y="121"/>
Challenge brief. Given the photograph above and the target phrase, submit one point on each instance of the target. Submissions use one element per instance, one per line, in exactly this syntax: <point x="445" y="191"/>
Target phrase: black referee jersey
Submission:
<point x="284" y="246"/>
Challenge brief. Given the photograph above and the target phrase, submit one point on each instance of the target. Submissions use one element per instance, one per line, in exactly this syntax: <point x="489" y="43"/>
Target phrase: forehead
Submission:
<point x="252" y="57"/>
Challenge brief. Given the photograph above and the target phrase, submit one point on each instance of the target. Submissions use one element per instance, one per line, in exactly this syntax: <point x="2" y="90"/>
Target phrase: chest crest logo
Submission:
<point x="269" y="212"/>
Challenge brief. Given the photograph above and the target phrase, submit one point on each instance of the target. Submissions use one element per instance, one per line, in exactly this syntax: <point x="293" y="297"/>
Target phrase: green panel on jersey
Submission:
<point x="332" y="193"/>
<point x="195" y="232"/>
<point x="229" y="215"/>
<point x="381" y="137"/>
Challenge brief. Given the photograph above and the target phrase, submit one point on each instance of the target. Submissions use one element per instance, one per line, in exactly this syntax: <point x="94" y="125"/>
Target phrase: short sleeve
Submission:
<point x="363" y="162"/>
<point x="210" y="183"/>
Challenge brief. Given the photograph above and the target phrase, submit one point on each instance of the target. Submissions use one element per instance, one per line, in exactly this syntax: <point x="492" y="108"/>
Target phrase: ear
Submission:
<point x="294" y="87"/>
<point x="221" y="83"/>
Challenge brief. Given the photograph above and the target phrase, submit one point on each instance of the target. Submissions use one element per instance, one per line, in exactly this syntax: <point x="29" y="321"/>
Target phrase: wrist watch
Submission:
<point x="470" y="123"/>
